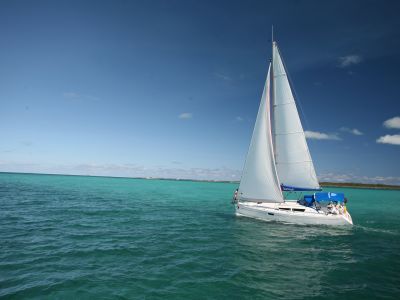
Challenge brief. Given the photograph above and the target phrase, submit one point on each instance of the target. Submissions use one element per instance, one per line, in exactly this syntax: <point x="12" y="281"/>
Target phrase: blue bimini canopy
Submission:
<point x="339" y="197"/>
<point x="309" y="200"/>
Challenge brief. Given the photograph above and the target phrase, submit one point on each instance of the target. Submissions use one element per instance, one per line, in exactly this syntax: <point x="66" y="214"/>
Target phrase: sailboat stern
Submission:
<point x="347" y="217"/>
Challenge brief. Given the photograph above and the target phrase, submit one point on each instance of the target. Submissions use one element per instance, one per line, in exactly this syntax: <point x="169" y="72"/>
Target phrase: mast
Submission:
<point x="272" y="33"/>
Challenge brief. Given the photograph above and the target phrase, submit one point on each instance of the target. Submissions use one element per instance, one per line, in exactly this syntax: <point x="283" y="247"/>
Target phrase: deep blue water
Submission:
<point x="67" y="237"/>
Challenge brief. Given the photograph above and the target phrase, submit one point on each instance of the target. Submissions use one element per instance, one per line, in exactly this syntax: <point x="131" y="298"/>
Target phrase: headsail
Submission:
<point x="259" y="180"/>
<point x="293" y="161"/>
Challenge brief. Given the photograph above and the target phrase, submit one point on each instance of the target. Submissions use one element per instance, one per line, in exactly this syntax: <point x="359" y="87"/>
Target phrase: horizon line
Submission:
<point x="322" y="183"/>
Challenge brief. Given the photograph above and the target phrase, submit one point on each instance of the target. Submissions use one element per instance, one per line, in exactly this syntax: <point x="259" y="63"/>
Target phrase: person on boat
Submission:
<point x="340" y="208"/>
<point x="235" y="195"/>
<point x="332" y="208"/>
<point x="329" y="206"/>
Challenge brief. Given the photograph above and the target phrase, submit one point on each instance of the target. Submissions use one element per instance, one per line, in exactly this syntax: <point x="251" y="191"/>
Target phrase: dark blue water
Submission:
<point x="67" y="237"/>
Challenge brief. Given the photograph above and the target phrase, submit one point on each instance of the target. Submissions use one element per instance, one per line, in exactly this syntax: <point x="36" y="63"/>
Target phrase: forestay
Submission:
<point x="293" y="161"/>
<point x="259" y="180"/>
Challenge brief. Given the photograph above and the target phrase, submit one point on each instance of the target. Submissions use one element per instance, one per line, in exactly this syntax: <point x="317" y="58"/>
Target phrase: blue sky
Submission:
<point x="172" y="88"/>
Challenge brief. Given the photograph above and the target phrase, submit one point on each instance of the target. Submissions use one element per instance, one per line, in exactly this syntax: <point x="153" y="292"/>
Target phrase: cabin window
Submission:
<point x="284" y="208"/>
<point x="299" y="209"/>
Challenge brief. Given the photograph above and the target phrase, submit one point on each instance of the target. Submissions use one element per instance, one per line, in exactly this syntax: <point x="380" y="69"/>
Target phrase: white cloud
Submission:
<point x="354" y="131"/>
<point x="348" y="60"/>
<point x="239" y="119"/>
<point x="389" y="139"/>
<point x="185" y="115"/>
<point x="321" y="136"/>
<point x="393" y="123"/>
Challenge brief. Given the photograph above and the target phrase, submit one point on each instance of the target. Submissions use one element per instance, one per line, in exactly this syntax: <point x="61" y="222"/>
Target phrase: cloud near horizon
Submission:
<point x="393" y="123"/>
<point x="135" y="171"/>
<point x="353" y="178"/>
<point x="348" y="60"/>
<point x="124" y="170"/>
<point x="316" y="135"/>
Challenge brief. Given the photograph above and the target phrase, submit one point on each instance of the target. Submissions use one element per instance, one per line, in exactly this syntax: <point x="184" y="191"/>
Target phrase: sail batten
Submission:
<point x="282" y="104"/>
<point x="293" y="160"/>
<point x="259" y="182"/>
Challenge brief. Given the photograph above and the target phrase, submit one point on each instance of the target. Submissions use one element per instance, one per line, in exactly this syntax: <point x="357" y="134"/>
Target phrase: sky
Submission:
<point x="172" y="88"/>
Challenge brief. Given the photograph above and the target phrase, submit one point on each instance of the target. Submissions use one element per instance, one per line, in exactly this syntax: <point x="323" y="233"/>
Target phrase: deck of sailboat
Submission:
<point x="288" y="205"/>
<point x="290" y="212"/>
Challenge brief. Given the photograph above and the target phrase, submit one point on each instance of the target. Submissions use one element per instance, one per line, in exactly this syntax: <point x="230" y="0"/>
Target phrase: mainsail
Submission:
<point x="259" y="180"/>
<point x="293" y="161"/>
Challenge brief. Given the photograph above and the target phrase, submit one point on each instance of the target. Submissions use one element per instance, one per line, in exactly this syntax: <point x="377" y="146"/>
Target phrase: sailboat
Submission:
<point x="279" y="160"/>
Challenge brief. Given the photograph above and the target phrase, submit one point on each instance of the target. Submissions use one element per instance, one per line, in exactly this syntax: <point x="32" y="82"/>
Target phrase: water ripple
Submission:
<point x="84" y="237"/>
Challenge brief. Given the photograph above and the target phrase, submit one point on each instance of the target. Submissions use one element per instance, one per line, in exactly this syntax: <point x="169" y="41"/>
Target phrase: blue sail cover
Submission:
<point x="288" y="188"/>
<point x="339" y="197"/>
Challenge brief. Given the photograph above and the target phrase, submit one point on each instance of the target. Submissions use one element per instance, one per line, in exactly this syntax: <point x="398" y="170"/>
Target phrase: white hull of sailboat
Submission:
<point x="290" y="212"/>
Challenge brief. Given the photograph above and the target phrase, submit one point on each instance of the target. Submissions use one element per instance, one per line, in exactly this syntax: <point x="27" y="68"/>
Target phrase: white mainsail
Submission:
<point x="259" y="180"/>
<point x="293" y="161"/>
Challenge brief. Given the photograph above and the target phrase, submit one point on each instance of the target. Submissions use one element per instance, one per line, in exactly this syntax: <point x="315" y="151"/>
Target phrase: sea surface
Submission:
<point x="76" y="237"/>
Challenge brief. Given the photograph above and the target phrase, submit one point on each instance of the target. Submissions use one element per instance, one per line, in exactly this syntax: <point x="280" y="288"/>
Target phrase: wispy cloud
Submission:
<point x="7" y="150"/>
<point x="239" y="119"/>
<point x="354" y="131"/>
<point x="348" y="60"/>
<point x="125" y="170"/>
<point x="26" y="143"/>
<point x="389" y="139"/>
<point x="78" y="96"/>
<point x="393" y="123"/>
<point x="185" y="115"/>
<point x="321" y="136"/>
<point x="223" y="76"/>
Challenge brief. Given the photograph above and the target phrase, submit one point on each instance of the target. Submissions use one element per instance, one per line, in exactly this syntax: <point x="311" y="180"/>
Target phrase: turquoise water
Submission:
<point x="68" y="237"/>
